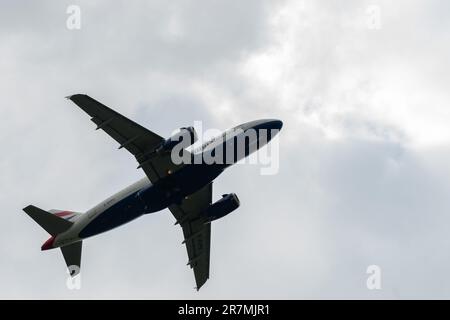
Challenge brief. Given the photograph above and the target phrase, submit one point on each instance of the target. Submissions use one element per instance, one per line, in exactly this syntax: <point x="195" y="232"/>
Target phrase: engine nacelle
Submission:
<point x="187" y="136"/>
<point x="222" y="207"/>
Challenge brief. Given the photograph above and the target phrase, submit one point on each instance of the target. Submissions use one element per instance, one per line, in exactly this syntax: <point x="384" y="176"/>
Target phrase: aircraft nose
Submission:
<point x="267" y="124"/>
<point x="271" y="126"/>
<point x="276" y="124"/>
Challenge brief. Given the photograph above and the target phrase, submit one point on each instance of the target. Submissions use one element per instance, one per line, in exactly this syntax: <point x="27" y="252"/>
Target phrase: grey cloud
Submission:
<point x="369" y="196"/>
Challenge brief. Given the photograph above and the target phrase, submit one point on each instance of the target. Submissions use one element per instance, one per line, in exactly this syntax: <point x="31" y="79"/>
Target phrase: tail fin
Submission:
<point x="65" y="214"/>
<point x="53" y="224"/>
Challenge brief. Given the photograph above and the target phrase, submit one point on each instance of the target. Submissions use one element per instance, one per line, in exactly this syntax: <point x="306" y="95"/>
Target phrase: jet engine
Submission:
<point x="186" y="135"/>
<point x="222" y="207"/>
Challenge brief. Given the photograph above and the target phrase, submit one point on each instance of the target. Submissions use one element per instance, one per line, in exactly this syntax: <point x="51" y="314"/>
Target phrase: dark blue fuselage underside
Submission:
<point x="153" y="198"/>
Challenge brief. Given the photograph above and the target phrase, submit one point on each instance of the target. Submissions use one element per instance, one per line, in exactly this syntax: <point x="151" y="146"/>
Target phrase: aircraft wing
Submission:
<point x="138" y="140"/>
<point x="197" y="233"/>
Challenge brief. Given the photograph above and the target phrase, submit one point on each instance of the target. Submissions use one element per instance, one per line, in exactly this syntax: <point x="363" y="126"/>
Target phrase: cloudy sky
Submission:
<point x="362" y="89"/>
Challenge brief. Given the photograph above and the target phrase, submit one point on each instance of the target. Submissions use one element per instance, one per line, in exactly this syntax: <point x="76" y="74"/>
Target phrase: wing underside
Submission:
<point x="139" y="141"/>
<point x="197" y="233"/>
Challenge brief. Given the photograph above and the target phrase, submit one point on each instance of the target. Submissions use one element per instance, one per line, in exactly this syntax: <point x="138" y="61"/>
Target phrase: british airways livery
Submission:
<point x="179" y="177"/>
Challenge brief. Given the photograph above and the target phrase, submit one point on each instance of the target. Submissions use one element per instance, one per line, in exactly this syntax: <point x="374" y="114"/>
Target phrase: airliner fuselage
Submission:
<point x="179" y="176"/>
<point x="143" y="197"/>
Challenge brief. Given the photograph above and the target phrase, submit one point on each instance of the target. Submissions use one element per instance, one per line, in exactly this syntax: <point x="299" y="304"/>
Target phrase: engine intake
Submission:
<point x="222" y="207"/>
<point x="187" y="136"/>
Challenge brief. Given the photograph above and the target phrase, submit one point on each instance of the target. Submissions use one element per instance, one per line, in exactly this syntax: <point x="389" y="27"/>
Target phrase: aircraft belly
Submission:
<point x="151" y="198"/>
<point x="120" y="213"/>
<point x="196" y="176"/>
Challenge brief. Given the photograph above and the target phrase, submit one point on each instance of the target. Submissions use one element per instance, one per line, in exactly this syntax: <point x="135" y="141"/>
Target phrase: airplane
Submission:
<point x="185" y="187"/>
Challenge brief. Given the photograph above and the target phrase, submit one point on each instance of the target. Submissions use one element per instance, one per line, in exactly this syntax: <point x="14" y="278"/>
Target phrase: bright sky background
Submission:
<point x="362" y="89"/>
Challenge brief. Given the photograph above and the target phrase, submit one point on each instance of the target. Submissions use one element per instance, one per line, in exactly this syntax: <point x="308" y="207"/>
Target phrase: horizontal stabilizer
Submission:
<point x="72" y="256"/>
<point x="50" y="222"/>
